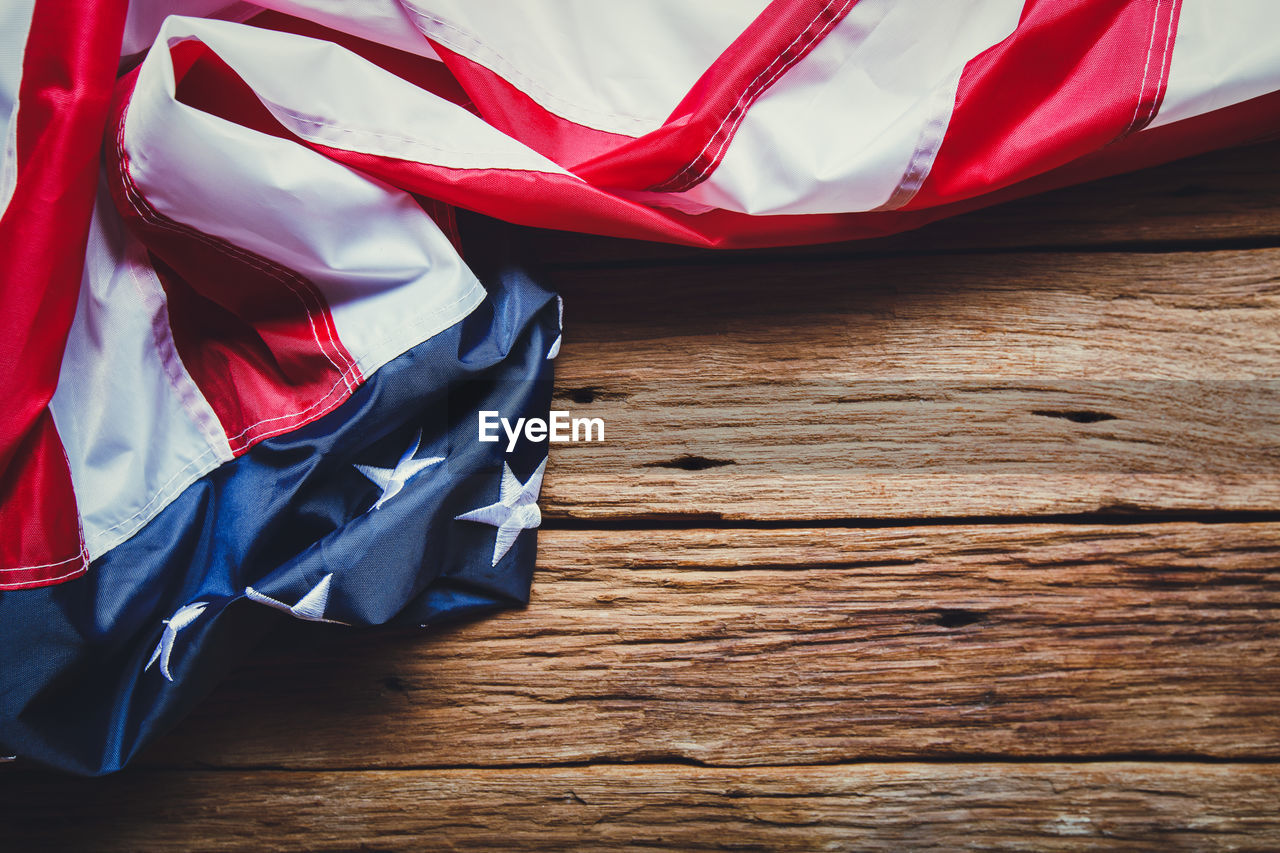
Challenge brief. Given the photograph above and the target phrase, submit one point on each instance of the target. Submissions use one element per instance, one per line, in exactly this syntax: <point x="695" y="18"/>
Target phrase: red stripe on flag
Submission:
<point x="42" y="541"/>
<point x="68" y="70"/>
<point x="257" y="338"/>
<point x="262" y="354"/>
<point x="1070" y="79"/>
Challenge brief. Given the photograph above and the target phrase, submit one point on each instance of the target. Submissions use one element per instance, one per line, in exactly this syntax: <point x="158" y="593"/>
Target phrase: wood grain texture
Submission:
<point x="1221" y="197"/>
<point x="759" y="647"/>
<point x="924" y="387"/>
<point x="1110" y="806"/>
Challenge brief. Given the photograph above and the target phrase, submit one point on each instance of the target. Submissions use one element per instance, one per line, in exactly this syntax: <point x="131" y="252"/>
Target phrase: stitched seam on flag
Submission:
<point x="83" y="556"/>
<point x="8" y="183"/>
<point x="1146" y="70"/>
<point x="672" y="183"/>
<point x="84" y="549"/>
<point x="162" y="495"/>
<point x="738" y="112"/>
<point x="79" y="556"/>
<point x="249" y="260"/>
<point x="1146" y="67"/>
<point x="291" y="415"/>
<point x="138" y="203"/>
<point x="1156" y="97"/>
<point x="28" y="584"/>
<point x="161" y="492"/>
<point x="743" y="112"/>
<point x="152" y="294"/>
<point x="511" y="73"/>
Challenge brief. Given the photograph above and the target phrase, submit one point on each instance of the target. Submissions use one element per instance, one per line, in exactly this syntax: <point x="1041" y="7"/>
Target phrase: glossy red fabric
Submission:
<point x="67" y="74"/>
<point x="1071" y="79"/>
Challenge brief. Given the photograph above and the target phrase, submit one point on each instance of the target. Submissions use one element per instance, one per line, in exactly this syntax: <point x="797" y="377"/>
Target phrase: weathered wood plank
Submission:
<point x="742" y="647"/>
<point x="923" y="387"/>
<point x="1109" y="806"/>
<point x="1224" y="196"/>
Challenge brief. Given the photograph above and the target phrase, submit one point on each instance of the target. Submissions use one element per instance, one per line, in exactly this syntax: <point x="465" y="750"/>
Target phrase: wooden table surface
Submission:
<point x="966" y="537"/>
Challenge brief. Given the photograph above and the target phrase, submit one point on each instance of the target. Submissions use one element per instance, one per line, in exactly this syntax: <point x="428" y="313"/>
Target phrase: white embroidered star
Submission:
<point x="309" y="608"/>
<point x="392" y="480"/>
<point x="554" y="349"/>
<point x="175" y="623"/>
<point x="515" y="510"/>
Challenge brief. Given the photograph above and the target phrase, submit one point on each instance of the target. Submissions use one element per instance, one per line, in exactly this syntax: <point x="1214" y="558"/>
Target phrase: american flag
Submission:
<point x="241" y="353"/>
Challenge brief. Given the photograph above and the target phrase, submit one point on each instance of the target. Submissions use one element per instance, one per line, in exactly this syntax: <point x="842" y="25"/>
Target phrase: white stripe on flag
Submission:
<point x="1224" y="53"/>
<point x="136" y="429"/>
<point x="146" y="17"/>
<point x="15" y="22"/>
<point x="327" y="94"/>
<point x="855" y="124"/>
<point x="617" y="67"/>
<point x="382" y="21"/>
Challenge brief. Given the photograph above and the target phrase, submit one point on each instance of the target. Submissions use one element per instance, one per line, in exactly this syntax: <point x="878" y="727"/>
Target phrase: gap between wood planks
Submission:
<point x="677" y="761"/>
<point x="1120" y="806"/>
<point x="695" y="521"/>
<point x="731" y="258"/>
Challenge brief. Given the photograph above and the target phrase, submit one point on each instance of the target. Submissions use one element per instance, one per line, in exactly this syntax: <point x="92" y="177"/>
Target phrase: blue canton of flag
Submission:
<point x="385" y="511"/>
